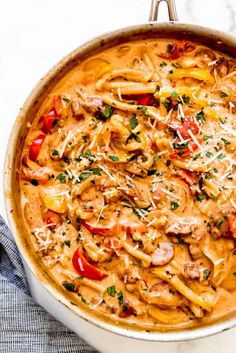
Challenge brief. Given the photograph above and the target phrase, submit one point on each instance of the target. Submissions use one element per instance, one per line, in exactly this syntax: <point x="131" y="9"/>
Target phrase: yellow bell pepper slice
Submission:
<point x="201" y="102"/>
<point x="180" y="91"/>
<point x="199" y="74"/>
<point x="162" y="109"/>
<point x="210" y="114"/>
<point x="104" y="70"/>
<point x="52" y="201"/>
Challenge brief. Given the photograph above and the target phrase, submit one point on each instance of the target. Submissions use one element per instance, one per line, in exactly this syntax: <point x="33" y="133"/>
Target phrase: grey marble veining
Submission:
<point x="219" y="14"/>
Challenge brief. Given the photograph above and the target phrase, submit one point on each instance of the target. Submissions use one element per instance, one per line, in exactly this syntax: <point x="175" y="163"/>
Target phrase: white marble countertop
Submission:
<point x="34" y="35"/>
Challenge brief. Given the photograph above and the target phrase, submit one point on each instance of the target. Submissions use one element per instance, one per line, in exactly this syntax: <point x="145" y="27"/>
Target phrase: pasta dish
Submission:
<point x="127" y="183"/>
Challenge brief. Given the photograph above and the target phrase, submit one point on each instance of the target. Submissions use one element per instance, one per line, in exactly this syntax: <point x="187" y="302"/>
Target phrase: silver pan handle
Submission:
<point x="171" y="10"/>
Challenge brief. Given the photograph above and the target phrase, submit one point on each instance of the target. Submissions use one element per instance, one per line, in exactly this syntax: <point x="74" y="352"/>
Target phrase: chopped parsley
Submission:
<point x="223" y="120"/>
<point x="206" y="273"/>
<point x="226" y="142"/>
<point x="78" y="237"/>
<point x="111" y="291"/>
<point x="167" y="104"/>
<point x="154" y="160"/>
<point x="174" y="94"/>
<point x="186" y="99"/>
<point x="200" y="197"/>
<point x="219" y="222"/>
<point x="84" y="138"/>
<point x="221" y="156"/>
<point x="180" y="240"/>
<point x="87" y="154"/>
<point x="163" y="63"/>
<point x="208" y="176"/>
<point x="175" y="65"/>
<point x="133" y="158"/>
<point x="69" y="286"/>
<point x="144" y="159"/>
<point x="67" y="243"/>
<point x="84" y="176"/>
<point x="54" y="152"/>
<point x="114" y="158"/>
<point x="104" y="113"/>
<point x="96" y="171"/>
<point x="200" y="117"/>
<point x="174" y="205"/>
<point x="120" y="297"/>
<point x="133" y="137"/>
<point x="205" y="138"/>
<point x="223" y="95"/>
<point x="108" y="111"/>
<point x="61" y="177"/>
<point x="209" y="154"/>
<point x="196" y="156"/>
<point x="143" y="109"/>
<point x="213" y="197"/>
<point x="133" y="122"/>
<point x="82" y="299"/>
<point x="67" y="100"/>
<point x="151" y="172"/>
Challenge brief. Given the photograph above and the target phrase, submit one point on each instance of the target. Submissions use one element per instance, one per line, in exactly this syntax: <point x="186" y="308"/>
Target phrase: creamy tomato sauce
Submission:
<point x="128" y="184"/>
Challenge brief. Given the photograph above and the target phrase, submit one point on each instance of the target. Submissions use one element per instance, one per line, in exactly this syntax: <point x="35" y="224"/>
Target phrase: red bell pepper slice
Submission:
<point x="52" y="218"/>
<point x="35" y="147"/>
<point x="145" y="99"/>
<point x="49" y="121"/>
<point x="94" y="229"/>
<point x="127" y="310"/>
<point x="178" y="49"/>
<point x="184" y="152"/>
<point x="85" y="269"/>
<point x="188" y="124"/>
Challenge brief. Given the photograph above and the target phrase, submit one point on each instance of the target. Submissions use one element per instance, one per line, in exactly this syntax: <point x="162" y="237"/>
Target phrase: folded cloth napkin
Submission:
<point x="24" y="325"/>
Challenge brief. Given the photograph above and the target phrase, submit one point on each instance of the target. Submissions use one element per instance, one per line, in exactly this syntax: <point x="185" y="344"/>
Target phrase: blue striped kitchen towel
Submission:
<point x="24" y="325"/>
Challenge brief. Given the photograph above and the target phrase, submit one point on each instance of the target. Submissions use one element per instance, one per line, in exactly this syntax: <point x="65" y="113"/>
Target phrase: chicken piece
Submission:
<point x="93" y="104"/>
<point x="224" y="223"/>
<point x="191" y="270"/>
<point x="161" y="293"/>
<point x="128" y="272"/>
<point x="195" y="251"/>
<point x="76" y="108"/>
<point x="139" y="193"/>
<point x="163" y="254"/>
<point x="186" y="225"/>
